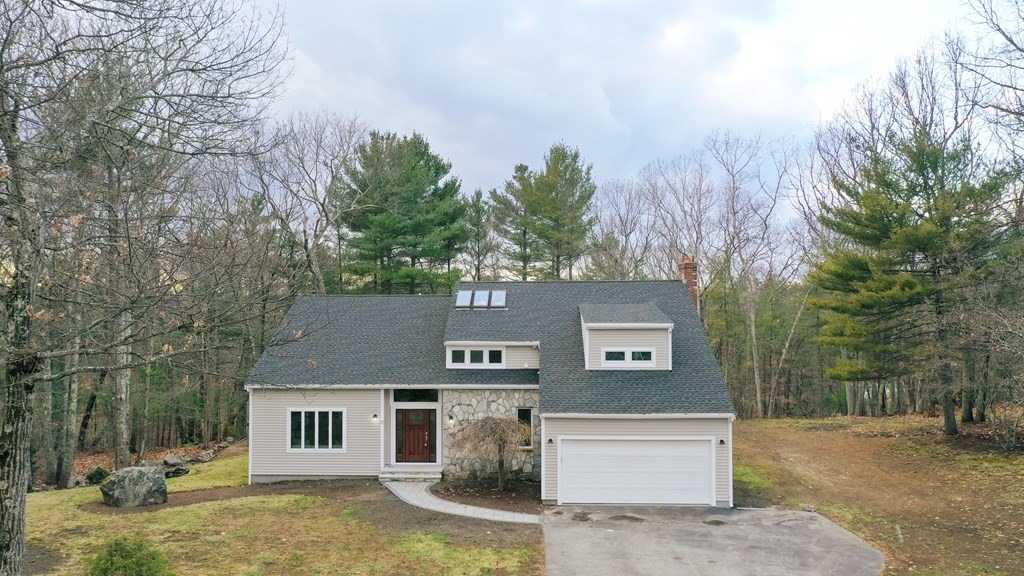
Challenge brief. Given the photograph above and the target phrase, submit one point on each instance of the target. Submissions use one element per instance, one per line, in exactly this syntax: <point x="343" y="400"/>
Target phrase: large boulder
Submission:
<point x="135" y="486"/>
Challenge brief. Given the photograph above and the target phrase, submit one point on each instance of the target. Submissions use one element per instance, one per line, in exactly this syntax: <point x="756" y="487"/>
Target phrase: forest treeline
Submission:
<point x="157" y="221"/>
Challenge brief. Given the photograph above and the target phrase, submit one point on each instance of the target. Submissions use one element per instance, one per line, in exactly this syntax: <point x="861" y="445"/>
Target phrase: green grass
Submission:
<point x="256" y="535"/>
<point x="750" y="478"/>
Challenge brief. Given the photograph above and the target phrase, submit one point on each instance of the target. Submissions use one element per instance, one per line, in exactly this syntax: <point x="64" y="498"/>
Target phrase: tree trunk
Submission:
<point x="122" y="387"/>
<point x="755" y="362"/>
<point x="144" y="427"/>
<point x="66" y="449"/>
<point x="90" y="406"/>
<point x="15" y="465"/>
<point x="45" y="458"/>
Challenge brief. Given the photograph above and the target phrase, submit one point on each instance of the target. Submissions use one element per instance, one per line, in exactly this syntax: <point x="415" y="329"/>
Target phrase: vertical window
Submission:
<point x="316" y="430"/>
<point x="309" y="429"/>
<point x="526" y="417"/>
<point x="296" y="427"/>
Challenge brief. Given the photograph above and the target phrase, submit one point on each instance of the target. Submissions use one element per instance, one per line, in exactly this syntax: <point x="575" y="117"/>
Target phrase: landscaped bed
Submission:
<point x="214" y="524"/>
<point x="518" y="495"/>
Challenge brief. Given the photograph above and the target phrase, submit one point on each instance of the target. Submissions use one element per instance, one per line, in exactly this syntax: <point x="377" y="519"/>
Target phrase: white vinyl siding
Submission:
<point x="717" y="428"/>
<point x="598" y="340"/>
<point x="270" y="426"/>
<point x="522" y="357"/>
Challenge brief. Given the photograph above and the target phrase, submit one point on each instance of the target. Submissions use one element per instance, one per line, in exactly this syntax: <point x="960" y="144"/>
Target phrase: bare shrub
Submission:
<point x="493" y="438"/>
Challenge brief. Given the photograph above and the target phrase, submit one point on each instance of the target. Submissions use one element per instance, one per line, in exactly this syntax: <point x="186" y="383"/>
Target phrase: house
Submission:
<point x="616" y="379"/>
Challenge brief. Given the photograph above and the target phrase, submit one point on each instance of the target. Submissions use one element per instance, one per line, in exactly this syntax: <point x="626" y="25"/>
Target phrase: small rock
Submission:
<point x="135" y="486"/>
<point x="229" y="440"/>
<point x="150" y="463"/>
<point x="808" y="508"/>
<point x="175" y="471"/>
<point x="173" y="460"/>
<point x="222" y="446"/>
<point x="96" y="475"/>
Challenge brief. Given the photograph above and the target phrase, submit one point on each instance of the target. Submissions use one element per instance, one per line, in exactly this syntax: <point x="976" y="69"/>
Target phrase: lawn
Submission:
<point x="933" y="505"/>
<point x="349" y="527"/>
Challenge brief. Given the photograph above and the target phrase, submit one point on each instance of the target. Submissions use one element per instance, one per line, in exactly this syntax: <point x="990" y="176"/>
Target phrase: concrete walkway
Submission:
<point x="418" y="494"/>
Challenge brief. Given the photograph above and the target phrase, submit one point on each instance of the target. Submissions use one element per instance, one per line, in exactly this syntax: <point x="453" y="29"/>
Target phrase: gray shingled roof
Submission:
<point x="399" y="340"/>
<point x="549" y="312"/>
<point x="338" y="340"/>
<point x="646" y="313"/>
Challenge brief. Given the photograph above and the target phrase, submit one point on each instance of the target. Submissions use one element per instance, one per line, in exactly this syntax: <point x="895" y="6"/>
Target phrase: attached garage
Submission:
<point x="631" y="470"/>
<point x="637" y="459"/>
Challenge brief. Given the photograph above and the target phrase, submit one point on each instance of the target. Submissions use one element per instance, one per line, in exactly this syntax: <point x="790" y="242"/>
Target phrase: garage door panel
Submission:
<point x="635" y="471"/>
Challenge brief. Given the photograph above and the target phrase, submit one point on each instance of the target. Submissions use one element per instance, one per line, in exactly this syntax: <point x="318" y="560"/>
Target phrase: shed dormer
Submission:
<point x="626" y="337"/>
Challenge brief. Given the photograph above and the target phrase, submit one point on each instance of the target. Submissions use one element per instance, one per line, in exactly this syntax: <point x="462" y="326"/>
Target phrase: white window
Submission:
<point x="476" y="358"/>
<point x="320" y="429"/>
<point x="626" y="358"/>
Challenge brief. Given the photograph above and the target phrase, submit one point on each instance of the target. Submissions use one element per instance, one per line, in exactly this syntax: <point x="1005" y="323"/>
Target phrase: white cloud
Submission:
<point x="494" y="84"/>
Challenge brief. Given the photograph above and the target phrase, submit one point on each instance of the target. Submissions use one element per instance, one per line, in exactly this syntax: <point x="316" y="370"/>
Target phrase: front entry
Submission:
<point x="415" y="440"/>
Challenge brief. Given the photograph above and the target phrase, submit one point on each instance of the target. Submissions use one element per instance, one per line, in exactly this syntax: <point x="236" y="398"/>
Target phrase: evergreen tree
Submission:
<point x="481" y="244"/>
<point x="561" y="198"/>
<point x="405" y="216"/>
<point x="546" y="217"/>
<point x="515" y="222"/>
<point x="910" y="231"/>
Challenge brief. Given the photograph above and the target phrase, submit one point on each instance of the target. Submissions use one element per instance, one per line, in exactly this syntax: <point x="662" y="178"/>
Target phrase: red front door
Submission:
<point x="414" y="435"/>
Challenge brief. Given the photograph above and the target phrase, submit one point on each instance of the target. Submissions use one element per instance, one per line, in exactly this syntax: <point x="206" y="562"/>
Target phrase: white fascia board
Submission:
<point x="649" y="416"/>
<point x="486" y="343"/>
<point x="624" y="326"/>
<point x="251" y="387"/>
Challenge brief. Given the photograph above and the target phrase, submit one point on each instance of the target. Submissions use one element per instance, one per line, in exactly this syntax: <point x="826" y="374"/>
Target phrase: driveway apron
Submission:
<point x="656" y="541"/>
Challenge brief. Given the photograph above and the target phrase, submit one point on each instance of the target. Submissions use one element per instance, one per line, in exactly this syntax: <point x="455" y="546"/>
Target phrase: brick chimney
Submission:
<point x="688" y="274"/>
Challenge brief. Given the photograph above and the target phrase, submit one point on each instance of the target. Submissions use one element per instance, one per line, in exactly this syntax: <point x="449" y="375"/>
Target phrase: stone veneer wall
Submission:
<point x="467" y="405"/>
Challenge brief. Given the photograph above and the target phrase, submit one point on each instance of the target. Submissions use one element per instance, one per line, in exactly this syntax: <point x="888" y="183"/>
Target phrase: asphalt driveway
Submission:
<point x="656" y="541"/>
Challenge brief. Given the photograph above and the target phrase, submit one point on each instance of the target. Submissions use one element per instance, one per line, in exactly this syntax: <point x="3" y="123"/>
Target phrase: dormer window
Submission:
<point x="627" y="358"/>
<point x="476" y="358"/>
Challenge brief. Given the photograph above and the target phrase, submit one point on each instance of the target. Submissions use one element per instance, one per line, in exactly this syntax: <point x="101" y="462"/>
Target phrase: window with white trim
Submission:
<point x="627" y="357"/>
<point x="476" y="358"/>
<point x="316" y="429"/>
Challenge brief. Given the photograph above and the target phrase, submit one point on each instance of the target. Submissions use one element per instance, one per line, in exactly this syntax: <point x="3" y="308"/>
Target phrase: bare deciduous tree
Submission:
<point x="493" y="438"/>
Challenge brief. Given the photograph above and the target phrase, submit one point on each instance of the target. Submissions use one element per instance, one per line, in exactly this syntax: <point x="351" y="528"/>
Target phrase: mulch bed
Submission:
<point x="518" y="495"/>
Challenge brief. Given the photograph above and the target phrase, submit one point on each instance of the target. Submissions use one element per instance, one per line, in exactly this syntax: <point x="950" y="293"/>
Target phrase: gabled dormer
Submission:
<point x="626" y="337"/>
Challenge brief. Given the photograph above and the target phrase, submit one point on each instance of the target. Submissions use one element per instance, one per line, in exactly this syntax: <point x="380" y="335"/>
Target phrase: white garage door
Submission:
<point x="635" y="471"/>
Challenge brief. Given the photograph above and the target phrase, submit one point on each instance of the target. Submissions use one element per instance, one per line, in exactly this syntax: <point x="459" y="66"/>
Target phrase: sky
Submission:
<point x="494" y="84"/>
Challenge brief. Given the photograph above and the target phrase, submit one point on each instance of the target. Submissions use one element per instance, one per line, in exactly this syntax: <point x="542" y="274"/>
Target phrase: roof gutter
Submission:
<point x="626" y="326"/>
<point x="647" y="416"/>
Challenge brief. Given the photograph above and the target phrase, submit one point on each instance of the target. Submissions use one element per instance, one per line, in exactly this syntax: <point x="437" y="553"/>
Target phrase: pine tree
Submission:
<point x="406" y="217"/>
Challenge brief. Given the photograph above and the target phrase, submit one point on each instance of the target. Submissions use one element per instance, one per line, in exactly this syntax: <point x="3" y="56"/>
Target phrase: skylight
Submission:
<point x="462" y="298"/>
<point x="480" y="298"/>
<point x="497" y="299"/>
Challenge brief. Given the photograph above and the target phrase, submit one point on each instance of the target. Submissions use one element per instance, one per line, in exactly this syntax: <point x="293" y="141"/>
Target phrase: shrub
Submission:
<point x="129" y="557"/>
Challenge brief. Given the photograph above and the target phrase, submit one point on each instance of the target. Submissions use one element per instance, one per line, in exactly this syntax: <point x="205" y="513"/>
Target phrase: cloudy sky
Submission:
<point x="493" y="84"/>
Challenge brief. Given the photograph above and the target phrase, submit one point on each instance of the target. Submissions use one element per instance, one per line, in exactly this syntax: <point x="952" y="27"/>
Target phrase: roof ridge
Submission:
<point x="567" y="282"/>
<point x="374" y="295"/>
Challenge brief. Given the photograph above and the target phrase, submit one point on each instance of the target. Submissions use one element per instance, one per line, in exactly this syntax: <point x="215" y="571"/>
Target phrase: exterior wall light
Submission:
<point x="375" y="419"/>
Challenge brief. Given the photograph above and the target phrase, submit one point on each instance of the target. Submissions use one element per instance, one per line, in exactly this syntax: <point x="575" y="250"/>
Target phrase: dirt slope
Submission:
<point x="933" y="505"/>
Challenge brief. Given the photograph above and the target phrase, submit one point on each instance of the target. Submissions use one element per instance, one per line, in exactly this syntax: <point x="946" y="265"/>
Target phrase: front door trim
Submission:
<point x="395" y="407"/>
